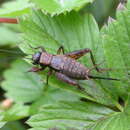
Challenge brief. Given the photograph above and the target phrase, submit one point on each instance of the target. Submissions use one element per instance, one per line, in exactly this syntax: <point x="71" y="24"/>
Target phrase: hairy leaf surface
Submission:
<point x="79" y="115"/>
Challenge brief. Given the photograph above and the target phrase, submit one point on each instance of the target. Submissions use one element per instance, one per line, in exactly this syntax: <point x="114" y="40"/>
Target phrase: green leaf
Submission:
<point x="74" y="31"/>
<point x="52" y="95"/>
<point x="15" y="125"/>
<point x="59" y="6"/>
<point x="116" y="41"/>
<point x="50" y="32"/>
<point x="8" y="36"/>
<point x="2" y="123"/>
<point x="69" y="115"/>
<point x="15" y="8"/>
<point x="16" y="112"/>
<point x="117" y="121"/>
<point x="87" y="116"/>
<point x="107" y="8"/>
<point x="79" y="115"/>
<point x="22" y="86"/>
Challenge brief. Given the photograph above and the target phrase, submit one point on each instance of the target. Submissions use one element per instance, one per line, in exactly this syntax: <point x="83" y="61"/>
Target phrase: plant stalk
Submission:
<point x="9" y="20"/>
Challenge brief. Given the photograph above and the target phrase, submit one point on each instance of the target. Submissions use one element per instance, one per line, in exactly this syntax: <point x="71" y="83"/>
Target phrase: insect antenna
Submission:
<point x="30" y="46"/>
<point x="12" y="52"/>
<point x="39" y="47"/>
<point x="27" y="58"/>
<point x="8" y="58"/>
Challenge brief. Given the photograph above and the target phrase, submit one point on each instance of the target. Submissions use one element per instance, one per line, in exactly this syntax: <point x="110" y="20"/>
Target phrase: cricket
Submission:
<point x="65" y="65"/>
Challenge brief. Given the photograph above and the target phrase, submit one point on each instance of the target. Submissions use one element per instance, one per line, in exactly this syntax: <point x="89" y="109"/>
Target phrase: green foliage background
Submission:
<point x="104" y="104"/>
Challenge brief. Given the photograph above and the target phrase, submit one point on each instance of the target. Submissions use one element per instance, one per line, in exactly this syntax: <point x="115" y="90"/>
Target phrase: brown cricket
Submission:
<point x="65" y="65"/>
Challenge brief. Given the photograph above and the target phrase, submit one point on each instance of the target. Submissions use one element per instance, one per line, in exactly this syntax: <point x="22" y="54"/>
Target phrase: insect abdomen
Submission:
<point x="74" y="69"/>
<point x="69" y="67"/>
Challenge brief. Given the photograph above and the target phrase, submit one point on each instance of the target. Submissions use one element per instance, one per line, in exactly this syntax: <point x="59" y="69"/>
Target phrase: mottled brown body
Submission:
<point x="65" y="66"/>
<point x="69" y="67"/>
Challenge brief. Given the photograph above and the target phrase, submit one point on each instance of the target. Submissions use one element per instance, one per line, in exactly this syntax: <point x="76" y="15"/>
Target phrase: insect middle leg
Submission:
<point x="61" y="49"/>
<point x="68" y="80"/>
<point x="48" y="75"/>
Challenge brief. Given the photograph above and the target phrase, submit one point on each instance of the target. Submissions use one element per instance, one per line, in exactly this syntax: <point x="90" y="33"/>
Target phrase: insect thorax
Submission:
<point x="45" y="58"/>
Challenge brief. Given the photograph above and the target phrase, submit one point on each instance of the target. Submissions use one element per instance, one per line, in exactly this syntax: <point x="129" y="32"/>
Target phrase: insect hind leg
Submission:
<point x="48" y="75"/>
<point x="68" y="80"/>
<point x="79" y="53"/>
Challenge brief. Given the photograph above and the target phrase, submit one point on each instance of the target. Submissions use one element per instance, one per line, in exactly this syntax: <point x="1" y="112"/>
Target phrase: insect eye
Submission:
<point x="36" y="58"/>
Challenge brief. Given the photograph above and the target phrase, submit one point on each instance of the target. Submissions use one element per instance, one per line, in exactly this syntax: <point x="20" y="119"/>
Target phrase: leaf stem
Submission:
<point x="9" y="20"/>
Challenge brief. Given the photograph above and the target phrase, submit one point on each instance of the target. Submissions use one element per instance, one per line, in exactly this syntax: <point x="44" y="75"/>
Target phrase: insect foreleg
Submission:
<point x="36" y="69"/>
<point x="68" y="80"/>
